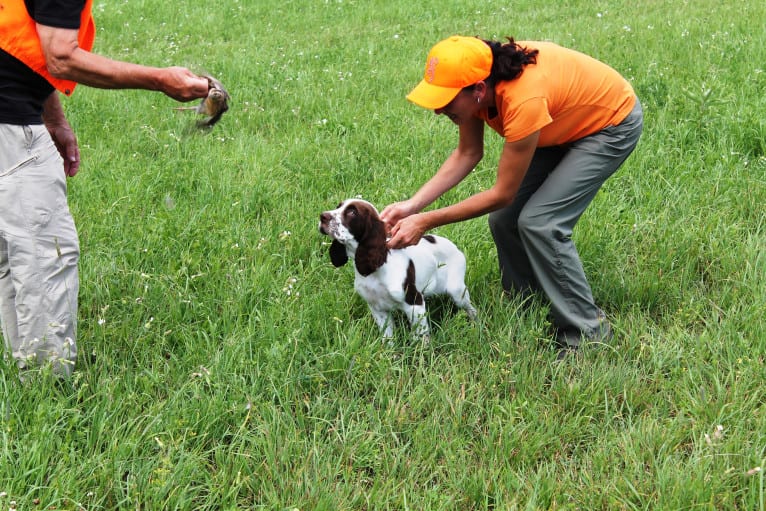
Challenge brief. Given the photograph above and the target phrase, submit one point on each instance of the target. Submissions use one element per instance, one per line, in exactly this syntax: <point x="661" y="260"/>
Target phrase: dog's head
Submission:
<point x="357" y="231"/>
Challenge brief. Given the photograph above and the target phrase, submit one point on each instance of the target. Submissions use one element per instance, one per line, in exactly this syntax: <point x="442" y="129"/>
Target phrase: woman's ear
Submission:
<point x="480" y="91"/>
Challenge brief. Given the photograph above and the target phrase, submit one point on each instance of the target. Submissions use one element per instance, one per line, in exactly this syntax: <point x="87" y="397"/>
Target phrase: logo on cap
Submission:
<point x="431" y="69"/>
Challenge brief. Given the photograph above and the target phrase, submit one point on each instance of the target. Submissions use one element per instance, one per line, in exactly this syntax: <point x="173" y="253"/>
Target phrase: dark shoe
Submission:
<point x="565" y="353"/>
<point x="571" y="339"/>
<point x="603" y="333"/>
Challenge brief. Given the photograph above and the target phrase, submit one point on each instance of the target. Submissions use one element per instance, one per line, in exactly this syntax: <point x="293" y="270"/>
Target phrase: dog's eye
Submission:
<point x="351" y="211"/>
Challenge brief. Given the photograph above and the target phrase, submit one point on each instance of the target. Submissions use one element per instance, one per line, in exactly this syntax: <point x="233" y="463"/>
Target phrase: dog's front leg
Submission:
<point x="418" y="321"/>
<point x="384" y="321"/>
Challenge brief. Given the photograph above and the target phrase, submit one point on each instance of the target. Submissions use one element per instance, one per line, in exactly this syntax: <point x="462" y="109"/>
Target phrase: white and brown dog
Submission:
<point x="394" y="279"/>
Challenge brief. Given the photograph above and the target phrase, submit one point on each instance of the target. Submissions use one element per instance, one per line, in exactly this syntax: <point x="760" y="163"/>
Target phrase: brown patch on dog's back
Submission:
<point x="430" y="238"/>
<point x="411" y="294"/>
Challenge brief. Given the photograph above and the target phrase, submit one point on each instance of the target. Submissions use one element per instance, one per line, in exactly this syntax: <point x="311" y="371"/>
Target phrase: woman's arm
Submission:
<point x="455" y="168"/>
<point x="511" y="169"/>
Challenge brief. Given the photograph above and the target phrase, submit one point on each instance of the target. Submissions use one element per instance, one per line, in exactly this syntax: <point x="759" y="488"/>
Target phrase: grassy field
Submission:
<point x="225" y="364"/>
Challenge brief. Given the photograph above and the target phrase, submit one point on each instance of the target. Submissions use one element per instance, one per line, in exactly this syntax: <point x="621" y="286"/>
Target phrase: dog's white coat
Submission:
<point x="439" y="268"/>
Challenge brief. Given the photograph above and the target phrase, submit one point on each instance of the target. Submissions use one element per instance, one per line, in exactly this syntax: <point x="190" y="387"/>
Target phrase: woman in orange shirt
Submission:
<point x="569" y="122"/>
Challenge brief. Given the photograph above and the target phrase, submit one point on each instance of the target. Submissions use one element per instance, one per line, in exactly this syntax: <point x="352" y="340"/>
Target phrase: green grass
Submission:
<point x="225" y="364"/>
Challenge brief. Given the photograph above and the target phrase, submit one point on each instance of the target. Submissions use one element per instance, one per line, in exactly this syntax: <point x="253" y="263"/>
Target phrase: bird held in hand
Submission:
<point x="213" y="105"/>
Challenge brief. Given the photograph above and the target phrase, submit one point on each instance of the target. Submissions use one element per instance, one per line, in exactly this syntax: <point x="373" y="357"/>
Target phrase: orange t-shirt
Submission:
<point x="567" y="95"/>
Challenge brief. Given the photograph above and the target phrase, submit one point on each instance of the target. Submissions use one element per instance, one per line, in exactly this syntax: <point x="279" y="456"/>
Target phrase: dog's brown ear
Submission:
<point x="338" y="254"/>
<point x="372" y="252"/>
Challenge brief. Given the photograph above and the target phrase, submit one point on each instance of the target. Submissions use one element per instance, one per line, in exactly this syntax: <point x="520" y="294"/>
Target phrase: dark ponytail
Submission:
<point x="509" y="60"/>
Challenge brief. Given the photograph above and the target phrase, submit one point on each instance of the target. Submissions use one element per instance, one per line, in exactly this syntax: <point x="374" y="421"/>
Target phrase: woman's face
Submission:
<point x="460" y="109"/>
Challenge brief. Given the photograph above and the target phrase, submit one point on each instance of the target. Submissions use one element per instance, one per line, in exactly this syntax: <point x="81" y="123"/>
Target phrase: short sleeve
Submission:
<point x="57" y="13"/>
<point x="525" y="118"/>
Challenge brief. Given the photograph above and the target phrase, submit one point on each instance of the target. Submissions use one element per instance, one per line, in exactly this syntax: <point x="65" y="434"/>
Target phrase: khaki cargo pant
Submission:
<point x="533" y="235"/>
<point x="39" y="251"/>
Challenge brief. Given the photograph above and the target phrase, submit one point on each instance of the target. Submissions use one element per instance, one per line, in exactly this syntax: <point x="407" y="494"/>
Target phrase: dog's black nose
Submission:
<point x="324" y="219"/>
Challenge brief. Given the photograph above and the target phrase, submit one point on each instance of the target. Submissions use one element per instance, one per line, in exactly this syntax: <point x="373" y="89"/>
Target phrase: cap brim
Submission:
<point x="428" y="95"/>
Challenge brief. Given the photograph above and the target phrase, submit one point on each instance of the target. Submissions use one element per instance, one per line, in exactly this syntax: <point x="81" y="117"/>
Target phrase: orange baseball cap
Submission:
<point x="452" y="64"/>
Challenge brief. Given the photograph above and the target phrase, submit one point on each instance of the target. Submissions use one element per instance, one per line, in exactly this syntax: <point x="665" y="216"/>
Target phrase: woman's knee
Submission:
<point x="530" y="222"/>
<point x="505" y="219"/>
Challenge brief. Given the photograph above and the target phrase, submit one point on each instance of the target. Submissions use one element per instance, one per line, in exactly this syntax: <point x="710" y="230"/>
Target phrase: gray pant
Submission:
<point x="533" y="234"/>
<point x="39" y="251"/>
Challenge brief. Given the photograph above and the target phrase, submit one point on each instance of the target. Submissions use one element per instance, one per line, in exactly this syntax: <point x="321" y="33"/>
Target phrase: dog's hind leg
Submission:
<point x="462" y="299"/>
<point x="455" y="285"/>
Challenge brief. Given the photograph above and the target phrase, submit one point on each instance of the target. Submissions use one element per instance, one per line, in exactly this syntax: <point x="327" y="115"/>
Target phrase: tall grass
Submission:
<point x="225" y="364"/>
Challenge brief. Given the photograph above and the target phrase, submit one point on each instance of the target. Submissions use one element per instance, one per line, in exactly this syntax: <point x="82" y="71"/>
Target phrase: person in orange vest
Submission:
<point x="568" y="122"/>
<point x="44" y="51"/>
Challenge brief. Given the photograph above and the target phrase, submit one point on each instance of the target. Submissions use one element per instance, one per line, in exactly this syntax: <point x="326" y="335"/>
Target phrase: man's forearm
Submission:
<point x="53" y="112"/>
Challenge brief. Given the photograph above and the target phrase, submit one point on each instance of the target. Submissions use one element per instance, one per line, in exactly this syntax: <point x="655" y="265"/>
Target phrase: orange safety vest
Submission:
<point x="18" y="37"/>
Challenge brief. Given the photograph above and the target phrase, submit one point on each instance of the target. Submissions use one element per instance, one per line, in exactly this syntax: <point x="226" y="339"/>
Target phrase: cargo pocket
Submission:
<point x="18" y="166"/>
<point x="41" y="187"/>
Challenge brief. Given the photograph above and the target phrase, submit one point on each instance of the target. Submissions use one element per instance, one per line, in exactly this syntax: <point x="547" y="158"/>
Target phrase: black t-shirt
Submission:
<point x="22" y="91"/>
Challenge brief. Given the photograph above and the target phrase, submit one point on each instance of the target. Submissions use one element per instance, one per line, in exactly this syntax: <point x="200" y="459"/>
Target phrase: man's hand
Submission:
<point x="182" y="85"/>
<point x="62" y="134"/>
<point x="66" y="143"/>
